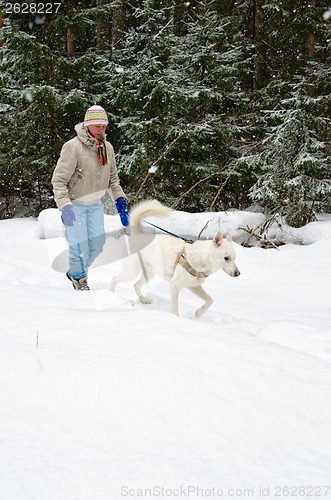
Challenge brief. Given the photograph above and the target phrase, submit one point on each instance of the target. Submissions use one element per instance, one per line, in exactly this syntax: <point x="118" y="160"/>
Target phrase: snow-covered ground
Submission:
<point x="103" y="398"/>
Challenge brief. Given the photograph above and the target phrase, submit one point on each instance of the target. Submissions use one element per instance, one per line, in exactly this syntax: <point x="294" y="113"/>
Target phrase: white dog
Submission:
<point x="183" y="264"/>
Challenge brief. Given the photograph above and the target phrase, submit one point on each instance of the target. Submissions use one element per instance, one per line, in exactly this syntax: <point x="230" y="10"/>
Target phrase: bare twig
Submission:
<point x="222" y="187"/>
<point x="156" y="162"/>
<point x="193" y="187"/>
<point x="202" y="230"/>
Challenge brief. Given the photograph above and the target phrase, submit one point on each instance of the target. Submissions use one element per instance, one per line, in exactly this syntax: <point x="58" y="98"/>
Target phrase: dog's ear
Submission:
<point x="229" y="237"/>
<point x="218" y="239"/>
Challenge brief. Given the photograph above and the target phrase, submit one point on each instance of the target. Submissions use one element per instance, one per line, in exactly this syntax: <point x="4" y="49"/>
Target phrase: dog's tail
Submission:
<point x="151" y="208"/>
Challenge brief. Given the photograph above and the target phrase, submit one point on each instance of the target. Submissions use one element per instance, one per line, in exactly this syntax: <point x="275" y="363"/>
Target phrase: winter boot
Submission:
<point x="78" y="284"/>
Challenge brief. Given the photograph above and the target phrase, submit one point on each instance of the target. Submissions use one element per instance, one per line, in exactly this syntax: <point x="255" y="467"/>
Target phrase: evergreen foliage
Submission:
<point x="293" y="179"/>
<point x="212" y="105"/>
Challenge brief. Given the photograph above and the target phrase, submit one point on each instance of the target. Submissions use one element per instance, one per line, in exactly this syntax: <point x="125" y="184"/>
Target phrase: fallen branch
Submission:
<point x="261" y="238"/>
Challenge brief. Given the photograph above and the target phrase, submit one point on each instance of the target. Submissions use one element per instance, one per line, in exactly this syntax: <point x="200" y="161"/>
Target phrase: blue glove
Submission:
<point x="68" y="215"/>
<point x="122" y="209"/>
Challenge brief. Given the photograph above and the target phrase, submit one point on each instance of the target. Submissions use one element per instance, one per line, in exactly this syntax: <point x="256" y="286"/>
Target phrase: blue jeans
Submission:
<point x="86" y="238"/>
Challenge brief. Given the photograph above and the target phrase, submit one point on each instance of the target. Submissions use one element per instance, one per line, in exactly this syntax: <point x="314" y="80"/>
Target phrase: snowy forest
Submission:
<point x="212" y="104"/>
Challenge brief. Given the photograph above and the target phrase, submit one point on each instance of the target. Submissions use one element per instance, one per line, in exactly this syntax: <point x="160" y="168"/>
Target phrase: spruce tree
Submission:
<point x="176" y="96"/>
<point x="50" y="74"/>
<point x="294" y="179"/>
<point x="292" y="163"/>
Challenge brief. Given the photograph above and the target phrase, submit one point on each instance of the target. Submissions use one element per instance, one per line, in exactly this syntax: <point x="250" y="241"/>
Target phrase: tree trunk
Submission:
<point x="70" y="42"/>
<point x="256" y="38"/>
<point x="70" y="36"/>
<point x="119" y="25"/>
<point x="2" y="19"/>
<point x="311" y="41"/>
<point x="102" y="29"/>
<point x="311" y="49"/>
<point x="49" y="29"/>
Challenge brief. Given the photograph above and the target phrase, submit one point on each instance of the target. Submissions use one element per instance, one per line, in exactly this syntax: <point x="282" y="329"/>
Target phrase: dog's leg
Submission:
<point x="147" y="274"/>
<point x="118" y="279"/>
<point x="202" y="294"/>
<point x="114" y="282"/>
<point x="131" y="270"/>
<point x="174" y="298"/>
<point x="137" y="286"/>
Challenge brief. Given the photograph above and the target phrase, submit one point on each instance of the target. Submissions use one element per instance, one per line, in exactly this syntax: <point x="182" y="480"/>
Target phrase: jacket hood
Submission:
<point x="84" y="137"/>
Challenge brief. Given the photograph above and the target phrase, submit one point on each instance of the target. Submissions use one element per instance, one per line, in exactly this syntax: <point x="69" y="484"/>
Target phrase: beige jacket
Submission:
<point x="78" y="175"/>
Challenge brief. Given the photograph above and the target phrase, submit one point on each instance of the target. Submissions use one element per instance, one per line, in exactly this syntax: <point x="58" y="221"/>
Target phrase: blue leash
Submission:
<point x="168" y="232"/>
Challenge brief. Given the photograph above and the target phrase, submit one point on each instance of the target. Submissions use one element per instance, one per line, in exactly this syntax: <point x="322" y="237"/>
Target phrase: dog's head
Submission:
<point x="224" y="254"/>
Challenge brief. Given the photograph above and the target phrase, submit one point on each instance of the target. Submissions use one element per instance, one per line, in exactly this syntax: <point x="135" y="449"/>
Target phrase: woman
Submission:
<point x="84" y="173"/>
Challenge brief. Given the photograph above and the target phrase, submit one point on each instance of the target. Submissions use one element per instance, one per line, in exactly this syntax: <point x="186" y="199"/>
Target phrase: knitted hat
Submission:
<point x="95" y="115"/>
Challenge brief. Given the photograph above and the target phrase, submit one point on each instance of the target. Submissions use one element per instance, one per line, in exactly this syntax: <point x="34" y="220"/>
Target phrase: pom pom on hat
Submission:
<point x="95" y="115"/>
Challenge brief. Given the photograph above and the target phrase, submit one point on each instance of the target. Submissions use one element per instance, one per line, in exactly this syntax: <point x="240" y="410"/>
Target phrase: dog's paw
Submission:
<point x="145" y="300"/>
<point x="199" y="312"/>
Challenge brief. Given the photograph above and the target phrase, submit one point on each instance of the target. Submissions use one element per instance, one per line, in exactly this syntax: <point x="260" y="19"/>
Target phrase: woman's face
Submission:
<point x="97" y="131"/>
